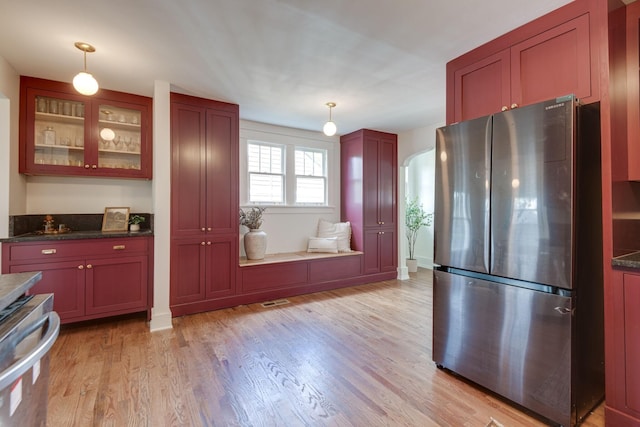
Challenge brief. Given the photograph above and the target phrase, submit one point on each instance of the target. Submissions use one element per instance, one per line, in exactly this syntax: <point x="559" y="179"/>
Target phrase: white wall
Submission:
<point x="57" y="195"/>
<point x="12" y="184"/>
<point x="420" y="184"/>
<point x="416" y="159"/>
<point x="288" y="228"/>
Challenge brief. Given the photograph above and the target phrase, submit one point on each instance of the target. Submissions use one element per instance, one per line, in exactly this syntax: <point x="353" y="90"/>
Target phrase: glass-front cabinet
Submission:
<point x="65" y="133"/>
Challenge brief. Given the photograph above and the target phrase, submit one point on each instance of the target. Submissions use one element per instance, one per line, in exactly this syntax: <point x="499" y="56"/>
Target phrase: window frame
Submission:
<point x="283" y="151"/>
<point x="255" y="132"/>
<point x="324" y="176"/>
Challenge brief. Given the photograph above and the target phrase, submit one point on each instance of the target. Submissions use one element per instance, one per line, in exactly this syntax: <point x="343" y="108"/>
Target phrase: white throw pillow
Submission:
<point x="341" y="230"/>
<point x="323" y="244"/>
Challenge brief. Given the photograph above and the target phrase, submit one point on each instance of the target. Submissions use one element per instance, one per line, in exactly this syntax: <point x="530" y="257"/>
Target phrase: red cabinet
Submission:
<point x="623" y="352"/>
<point x="626" y="154"/>
<point x="547" y="58"/>
<point x="65" y="133"/>
<point x="204" y="202"/>
<point x="89" y="278"/>
<point x="369" y="201"/>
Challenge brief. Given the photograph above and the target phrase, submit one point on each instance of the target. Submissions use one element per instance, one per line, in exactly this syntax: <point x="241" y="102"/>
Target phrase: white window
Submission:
<point x="266" y="173"/>
<point x="311" y="176"/>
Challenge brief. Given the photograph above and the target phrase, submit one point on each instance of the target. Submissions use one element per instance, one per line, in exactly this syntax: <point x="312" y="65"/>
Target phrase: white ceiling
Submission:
<point x="381" y="61"/>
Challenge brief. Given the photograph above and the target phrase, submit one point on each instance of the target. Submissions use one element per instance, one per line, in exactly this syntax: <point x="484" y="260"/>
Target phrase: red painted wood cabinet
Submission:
<point x="547" y="58"/>
<point x="623" y="336"/>
<point x="627" y="161"/>
<point x="204" y="202"/>
<point x="65" y="133"/>
<point x="89" y="278"/>
<point x="369" y="197"/>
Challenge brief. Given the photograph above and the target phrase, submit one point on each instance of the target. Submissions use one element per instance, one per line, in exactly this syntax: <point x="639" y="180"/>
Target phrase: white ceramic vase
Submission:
<point x="412" y="265"/>
<point x="134" y="227"/>
<point x="255" y="244"/>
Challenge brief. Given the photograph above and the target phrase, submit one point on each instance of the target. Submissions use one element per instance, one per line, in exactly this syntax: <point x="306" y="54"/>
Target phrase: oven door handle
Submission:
<point x="17" y="369"/>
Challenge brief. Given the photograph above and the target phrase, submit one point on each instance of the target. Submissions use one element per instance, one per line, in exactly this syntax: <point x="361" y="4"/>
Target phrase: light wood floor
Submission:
<point x="359" y="356"/>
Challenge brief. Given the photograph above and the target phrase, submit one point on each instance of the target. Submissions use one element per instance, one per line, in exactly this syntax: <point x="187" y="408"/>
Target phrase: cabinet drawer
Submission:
<point x="263" y="277"/>
<point x="335" y="268"/>
<point x="44" y="251"/>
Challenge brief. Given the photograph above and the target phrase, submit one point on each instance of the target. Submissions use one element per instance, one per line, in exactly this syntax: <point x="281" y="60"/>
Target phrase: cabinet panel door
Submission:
<point x="221" y="268"/>
<point x="65" y="280"/>
<point x="188" y="185"/>
<point x="631" y="291"/>
<point x="388" y="250"/>
<point x="552" y="64"/>
<point x="482" y="88"/>
<point x="221" y="169"/>
<point x="187" y="271"/>
<point x="387" y="161"/>
<point x="371" y="195"/>
<point x="371" y="252"/>
<point x="116" y="284"/>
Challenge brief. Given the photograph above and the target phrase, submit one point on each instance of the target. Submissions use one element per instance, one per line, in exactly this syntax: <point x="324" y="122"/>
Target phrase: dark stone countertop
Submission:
<point x="631" y="260"/>
<point x="75" y="235"/>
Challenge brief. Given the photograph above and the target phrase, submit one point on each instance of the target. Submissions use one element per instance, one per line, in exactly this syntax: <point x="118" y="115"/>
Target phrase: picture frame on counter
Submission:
<point x="115" y="219"/>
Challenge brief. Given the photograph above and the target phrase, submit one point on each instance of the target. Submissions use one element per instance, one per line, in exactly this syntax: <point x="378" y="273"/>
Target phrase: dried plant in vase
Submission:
<point x="255" y="241"/>
<point x="252" y="218"/>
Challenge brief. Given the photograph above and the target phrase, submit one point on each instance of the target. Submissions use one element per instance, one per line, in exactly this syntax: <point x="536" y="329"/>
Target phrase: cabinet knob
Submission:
<point x="380" y="232"/>
<point x="504" y="108"/>
<point x="89" y="266"/>
<point x="81" y="267"/>
<point x="203" y="229"/>
<point x="208" y="243"/>
<point x="94" y="166"/>
<point x="514" y="105"/>
<point x="381" y="222"/>
<point x="208" y="228"/>
<point x="87" y="166"/>
<point x="202" y="243"/>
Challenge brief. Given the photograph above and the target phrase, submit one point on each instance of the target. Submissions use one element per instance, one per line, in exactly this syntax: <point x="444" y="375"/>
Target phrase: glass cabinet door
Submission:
<point x="119" y="138"/>
<point x="59" y="132"/>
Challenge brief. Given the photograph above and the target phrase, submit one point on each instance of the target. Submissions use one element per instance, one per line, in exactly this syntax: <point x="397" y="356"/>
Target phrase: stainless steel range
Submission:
<point x="28" y="330"/>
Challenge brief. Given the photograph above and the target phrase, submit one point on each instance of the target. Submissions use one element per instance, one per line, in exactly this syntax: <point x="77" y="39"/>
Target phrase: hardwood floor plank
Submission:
<point x="358" y="356"/>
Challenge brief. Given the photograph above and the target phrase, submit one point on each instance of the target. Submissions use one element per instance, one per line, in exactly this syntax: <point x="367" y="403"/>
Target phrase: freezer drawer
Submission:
<point x="513" y="341"/>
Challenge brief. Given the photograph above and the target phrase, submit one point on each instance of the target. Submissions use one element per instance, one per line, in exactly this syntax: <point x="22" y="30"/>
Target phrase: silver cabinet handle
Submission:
<point x="15" y="371"/>
<point x="48" y="251"/>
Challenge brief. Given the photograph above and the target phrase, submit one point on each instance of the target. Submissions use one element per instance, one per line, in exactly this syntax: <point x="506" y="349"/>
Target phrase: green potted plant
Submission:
<point x="415" y="218"/>
<point x="134" y="222"/>
<point x="255" y="241"/>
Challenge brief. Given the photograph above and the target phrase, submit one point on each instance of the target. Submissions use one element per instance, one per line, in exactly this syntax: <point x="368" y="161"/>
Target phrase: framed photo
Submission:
<point x="115" y="219"/>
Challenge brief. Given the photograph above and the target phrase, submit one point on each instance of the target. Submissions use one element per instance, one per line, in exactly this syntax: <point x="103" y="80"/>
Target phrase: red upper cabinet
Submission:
<point x="550" y="57"/>
<point x="483" y="87"/>
<point x="65" y="133"/>
<point x="626" y="156"/>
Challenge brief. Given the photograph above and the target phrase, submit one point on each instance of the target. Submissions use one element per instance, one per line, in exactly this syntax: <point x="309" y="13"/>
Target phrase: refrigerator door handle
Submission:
<point x="562" y="310"/>
<point x="15" y="371"/>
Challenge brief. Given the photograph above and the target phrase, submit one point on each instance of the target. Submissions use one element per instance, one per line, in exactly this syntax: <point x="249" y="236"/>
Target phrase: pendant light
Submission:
<point x="330" y="128"/>
<point x="84" y="82"/>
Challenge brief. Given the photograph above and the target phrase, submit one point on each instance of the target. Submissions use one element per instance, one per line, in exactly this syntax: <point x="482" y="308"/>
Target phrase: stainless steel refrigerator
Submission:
<point x="518" y="287"/>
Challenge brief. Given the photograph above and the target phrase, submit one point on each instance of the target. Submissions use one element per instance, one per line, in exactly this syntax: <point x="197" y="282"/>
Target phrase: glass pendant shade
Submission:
<point x="85" y="83"/>
<point x="329" y="128"/>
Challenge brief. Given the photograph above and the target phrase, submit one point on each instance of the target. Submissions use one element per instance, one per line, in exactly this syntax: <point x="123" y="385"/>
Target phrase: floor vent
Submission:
<point x="274" y="303"/>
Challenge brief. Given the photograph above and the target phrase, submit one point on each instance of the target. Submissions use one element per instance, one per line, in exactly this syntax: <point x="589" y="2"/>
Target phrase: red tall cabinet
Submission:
<point x="204" y="202"/>
<point x="369" y="198"/>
